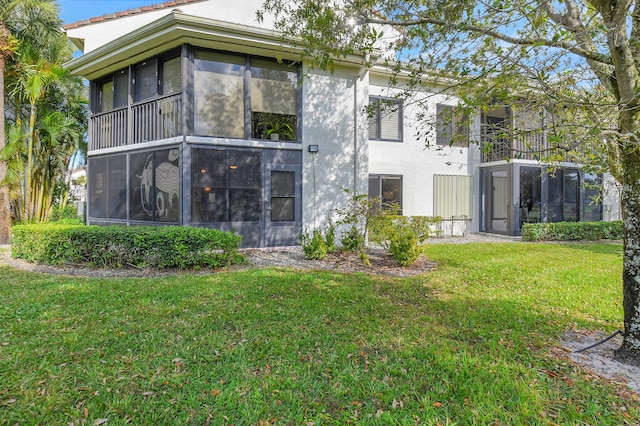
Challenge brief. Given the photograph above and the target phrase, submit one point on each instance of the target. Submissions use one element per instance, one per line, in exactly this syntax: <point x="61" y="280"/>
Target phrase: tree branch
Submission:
<point x="577" y="50"/>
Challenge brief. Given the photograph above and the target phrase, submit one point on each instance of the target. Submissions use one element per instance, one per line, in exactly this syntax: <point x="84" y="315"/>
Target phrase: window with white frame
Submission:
<point x="452" y="126"/>
<point x="385" y="119"/>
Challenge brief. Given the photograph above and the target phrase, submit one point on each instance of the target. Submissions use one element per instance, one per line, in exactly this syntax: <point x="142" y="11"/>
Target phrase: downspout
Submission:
<point x="355" y="133"/>
<point x="359" y="75"/>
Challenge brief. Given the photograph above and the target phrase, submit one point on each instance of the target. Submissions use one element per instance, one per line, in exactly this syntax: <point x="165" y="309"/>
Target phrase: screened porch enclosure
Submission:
<point x="518" y="193"/>
<point x="253" y="192"/>
<point x="201" y="138"/>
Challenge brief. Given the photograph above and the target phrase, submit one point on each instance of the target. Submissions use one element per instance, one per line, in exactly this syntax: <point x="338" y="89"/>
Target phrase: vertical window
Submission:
<point x="121" y="89"/>
<point x="171" y="76"/>
<point x="273" y="101"/>
<point x="592" y="202"/>
<point x="282" y="196"/>
<point x="563" y="196"/>
<point x="219" y="98"/>
<point x="146" y="80"/>
<point x="107" y="187"/>
<point x="226" y="186"/>
<point x="106" y="96"/>
<point x="571" y="206"/>
<point x="530" y="195"/>
<point x="155" y="186"/>
<point x="452" y="126"/>
<point x="245" y="186"/>
<point x="385" y="119"/>
<point x="388" y="188"/>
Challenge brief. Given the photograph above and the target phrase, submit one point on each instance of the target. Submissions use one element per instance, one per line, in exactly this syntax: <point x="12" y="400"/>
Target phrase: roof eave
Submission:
<point x="176" y="29"/>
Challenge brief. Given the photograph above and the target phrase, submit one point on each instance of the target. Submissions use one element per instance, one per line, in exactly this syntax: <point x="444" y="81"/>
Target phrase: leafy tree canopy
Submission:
<point x="576" y="60"/>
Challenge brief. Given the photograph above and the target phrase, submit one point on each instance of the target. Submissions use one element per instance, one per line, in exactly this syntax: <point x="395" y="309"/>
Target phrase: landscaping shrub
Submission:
<point x="117" y="246"/>
<point x="353" y="240"/>
<point x="572" y="231"/>
<point x="404" y="246"/>
<point x="314" y="245"/>
<point x="382" y="228"/>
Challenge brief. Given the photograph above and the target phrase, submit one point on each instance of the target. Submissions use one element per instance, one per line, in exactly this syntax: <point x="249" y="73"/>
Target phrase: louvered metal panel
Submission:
<point x="452" y="196"/>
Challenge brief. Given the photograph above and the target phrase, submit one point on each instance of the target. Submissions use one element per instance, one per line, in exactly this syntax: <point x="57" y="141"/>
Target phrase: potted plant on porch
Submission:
<point x="279" y="128"/>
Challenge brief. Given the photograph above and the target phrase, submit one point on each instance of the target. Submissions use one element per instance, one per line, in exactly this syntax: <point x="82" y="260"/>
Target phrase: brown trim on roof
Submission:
<point x="134" y="11"/>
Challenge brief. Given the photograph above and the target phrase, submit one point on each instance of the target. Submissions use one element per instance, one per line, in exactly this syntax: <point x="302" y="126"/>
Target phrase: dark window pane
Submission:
<point x="121" y="91"/>
<point x="555" y="199"/>
<point x="374" y="186"/>
<point x="282" y="196"/>
<point x="167" y="185"/>
<point x="171" y="76"/>
<point x="219" y="100"/>
<point x="226" y="186"/>
<point x="245" y="205"/>
<point x="107" y="187"/>
<point x="283" y="184"/>
<point x="388" y="188"/>
<point x="245" y="186"/>
<point x="274" y="90"/>
<point x="245" y="169"/>
<point x="571" y="210"/>
<point x="282" y="209"/>
<point x="208" y="186"/>
<point x="106" y="96"/>
<point x="117" y="187"/>
<point x="530" y="195"/>
<point x="146" y="81"/>
<point x="385" y="121"/>
<point x="97" y="187"/>
<point x="392" y="191"/>
<point x="592" y="198"/>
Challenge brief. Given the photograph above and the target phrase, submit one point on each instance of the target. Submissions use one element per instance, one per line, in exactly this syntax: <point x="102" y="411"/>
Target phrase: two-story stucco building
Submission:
<point x="201" y="116"/>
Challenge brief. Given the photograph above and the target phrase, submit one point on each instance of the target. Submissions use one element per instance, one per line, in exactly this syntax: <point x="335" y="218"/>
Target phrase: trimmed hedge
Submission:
<point x="571" y="231"/>
<point x="123" y="246"/>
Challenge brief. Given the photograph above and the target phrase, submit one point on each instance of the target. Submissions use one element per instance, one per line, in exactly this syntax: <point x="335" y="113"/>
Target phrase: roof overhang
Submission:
<point x="176" y="29"/>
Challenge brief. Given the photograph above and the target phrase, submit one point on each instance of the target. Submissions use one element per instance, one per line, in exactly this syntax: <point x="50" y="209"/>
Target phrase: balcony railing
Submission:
<point x="108" y="129"/>
<point x="525" y="145"/>
<point x="152" y="120"/>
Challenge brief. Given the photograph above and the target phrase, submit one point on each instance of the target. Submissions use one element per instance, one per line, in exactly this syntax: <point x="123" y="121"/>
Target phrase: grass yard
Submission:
<point x="466" y="344"/>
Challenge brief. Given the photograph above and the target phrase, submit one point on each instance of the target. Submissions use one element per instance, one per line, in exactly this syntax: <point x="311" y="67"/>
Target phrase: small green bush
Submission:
<point x="403" y="244"/>
<point x="69" y="212"/>
<point x="314" y="245"/>
<point x="352" y="240"/>
<point x="572" y="231"/>
<point x="381" y="228"/>
<point x="118" y="246"/>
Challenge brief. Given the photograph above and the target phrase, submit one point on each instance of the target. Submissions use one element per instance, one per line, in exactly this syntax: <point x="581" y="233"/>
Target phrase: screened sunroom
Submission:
<point x="202" y="137"/>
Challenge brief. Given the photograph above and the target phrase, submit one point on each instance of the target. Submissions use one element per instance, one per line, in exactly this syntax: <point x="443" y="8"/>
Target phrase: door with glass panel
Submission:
<point x="283" y="211"/>
<point x="499" y="200"/>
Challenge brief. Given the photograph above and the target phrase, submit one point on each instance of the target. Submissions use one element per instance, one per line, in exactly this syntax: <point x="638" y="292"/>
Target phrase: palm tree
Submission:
<point x="47" y="110"/>
<point x="21" y="21"/>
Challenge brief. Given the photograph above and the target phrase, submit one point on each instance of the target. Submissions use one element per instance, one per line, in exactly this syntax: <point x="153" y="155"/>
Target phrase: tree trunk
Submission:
<point x="5" y="205"/>
<point x="629" y="352"/>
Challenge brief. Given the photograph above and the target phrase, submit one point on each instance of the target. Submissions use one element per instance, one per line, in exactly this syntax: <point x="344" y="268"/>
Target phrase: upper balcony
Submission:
<point x="195" y="92"/>
<point x="507" y="135"/>
<point x="523" y="145"/>
<point x="156" y="119"/>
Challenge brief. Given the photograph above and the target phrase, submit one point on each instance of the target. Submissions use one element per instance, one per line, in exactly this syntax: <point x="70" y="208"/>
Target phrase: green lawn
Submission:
<point x="466" y="344"/>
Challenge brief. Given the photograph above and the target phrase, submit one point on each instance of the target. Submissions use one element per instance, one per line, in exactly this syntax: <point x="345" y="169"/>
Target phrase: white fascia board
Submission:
<point x="175" y="29"/>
